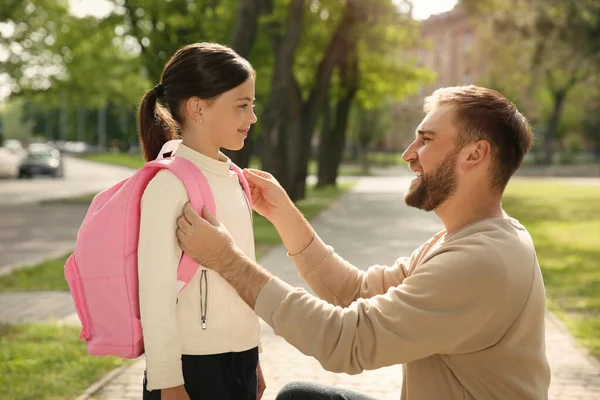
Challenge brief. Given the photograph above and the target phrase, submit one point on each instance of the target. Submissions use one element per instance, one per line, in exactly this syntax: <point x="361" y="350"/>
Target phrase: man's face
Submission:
<point x="433" y="158"/>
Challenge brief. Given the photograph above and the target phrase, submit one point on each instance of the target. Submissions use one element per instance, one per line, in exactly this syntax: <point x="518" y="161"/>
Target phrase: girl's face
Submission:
<point x="227" y="120"/>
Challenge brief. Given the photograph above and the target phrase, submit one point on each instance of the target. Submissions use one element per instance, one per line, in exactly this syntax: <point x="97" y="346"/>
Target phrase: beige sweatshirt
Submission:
<point x="464" y="314"/>
<point x="172" y="323"/>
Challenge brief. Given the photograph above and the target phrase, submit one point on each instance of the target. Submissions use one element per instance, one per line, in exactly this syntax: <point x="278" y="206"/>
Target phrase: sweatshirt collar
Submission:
<point x="206" y="164"/>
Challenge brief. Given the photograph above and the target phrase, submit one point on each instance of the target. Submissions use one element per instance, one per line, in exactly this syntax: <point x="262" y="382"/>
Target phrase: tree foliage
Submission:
<point x="542" y="53"/>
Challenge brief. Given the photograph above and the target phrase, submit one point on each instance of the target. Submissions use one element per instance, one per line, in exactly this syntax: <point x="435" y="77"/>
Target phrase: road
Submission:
<point x="81" y="177"/>
<point x="31" y="231"/>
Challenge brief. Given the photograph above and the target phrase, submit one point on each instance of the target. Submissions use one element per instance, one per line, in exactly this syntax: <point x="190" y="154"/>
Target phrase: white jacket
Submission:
<point x="180" y="324"/>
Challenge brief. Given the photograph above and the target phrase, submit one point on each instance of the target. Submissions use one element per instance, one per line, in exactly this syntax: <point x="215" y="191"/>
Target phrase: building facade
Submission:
<point x="448" y="42"/>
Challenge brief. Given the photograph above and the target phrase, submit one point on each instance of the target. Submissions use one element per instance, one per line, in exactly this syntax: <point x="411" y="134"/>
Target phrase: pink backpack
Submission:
<point x="102" y="271"/>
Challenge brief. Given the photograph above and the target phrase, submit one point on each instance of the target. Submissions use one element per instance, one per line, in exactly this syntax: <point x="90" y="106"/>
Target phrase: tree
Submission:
<point x="591" y="124"/>
<point x="29" y="36"/>
<point x="289" y="126"/>
<point x="14" y="122"/>
<point x="284" y="42"/>
<point x="379" y="69"/>
<point x="335" y="119"/>
<point x="368" y="127"/>
<point x="160" y="28"/>
<point x="64" y="63"/>
<point x="244" y="36"/>
<point x="558" y="45"/>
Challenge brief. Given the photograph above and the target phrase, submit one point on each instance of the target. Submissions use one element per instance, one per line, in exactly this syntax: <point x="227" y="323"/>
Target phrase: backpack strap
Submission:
<point x="243" y="182"/>
<point x="200" y="194"/>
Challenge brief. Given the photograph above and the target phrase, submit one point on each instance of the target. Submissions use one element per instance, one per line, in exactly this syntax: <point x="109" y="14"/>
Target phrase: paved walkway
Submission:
<point x="375" y="216"/>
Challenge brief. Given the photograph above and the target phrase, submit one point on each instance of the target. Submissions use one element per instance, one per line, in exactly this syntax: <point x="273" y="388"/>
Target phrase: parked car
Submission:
<point x="9" y="162"/>
<point x="15" y="145"/>
<point x="42" y="159"/>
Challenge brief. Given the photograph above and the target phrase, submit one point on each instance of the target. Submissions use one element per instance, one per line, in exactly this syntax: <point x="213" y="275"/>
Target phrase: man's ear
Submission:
<point x="193" y="109"/>
<point x="476" y="154"/>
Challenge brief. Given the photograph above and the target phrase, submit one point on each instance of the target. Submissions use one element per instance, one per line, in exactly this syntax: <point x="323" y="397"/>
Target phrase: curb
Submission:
<point x="105" y="380"/>
<point x="7" y="269"/>
<point x="565" y="331"/>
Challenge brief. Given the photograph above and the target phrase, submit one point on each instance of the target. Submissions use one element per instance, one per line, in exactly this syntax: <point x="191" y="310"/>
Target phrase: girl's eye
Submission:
<point x="244" y="106"/>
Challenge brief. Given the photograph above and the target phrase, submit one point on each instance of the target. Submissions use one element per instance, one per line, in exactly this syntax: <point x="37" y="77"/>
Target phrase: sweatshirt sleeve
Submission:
<point x="449" y="304"/>
<point x="158" y="258"/>
<point x="337" y="281"/>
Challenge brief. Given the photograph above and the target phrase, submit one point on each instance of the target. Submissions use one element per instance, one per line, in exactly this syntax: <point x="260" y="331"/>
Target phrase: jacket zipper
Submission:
<point x="203" y="274"/>
<point x="203" y="298"/>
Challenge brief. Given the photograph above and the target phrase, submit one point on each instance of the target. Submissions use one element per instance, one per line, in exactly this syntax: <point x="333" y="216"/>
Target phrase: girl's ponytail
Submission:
<point x="156" y="125"/>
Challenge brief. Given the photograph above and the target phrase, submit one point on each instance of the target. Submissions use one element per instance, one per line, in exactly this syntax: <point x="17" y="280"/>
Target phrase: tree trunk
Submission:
<point x="275" y="119"/>
<point x="242" y="41"/>
<point x="559" y="96"/>
<point x="552" y="128"/>
<point x="363" y="156"/>
<point x="325" y="147"/>
<point x="81" y="124"/>
<point x="345" y="33"/>
<point x="102" y="129"/>
<point x="334" y="141"/>
<point x="334" y="138"/>
<point x="299" y="146"/>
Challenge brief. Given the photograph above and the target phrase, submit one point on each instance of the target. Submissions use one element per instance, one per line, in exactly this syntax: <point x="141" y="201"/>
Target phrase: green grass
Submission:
<point x="349" y="168"/>
<point x="81" y="199"/>
<point x="564" y="221"/>
<point x="126" y="160"/>
<point x="47" y="361"/>
<point x="48" y="275"/>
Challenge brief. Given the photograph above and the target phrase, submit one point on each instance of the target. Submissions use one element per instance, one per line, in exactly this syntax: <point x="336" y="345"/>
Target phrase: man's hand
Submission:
<point x="261" y="382"/>
<point x="206" y="240"/>
<point x="174" y="393"/>
<point x="269" y="199"/>
<point x="272" y="202"/>
<point x="210" y="245"/>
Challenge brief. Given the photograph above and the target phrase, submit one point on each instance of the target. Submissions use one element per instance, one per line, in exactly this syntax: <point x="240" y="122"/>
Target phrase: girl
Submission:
<point x="203" y="342"/>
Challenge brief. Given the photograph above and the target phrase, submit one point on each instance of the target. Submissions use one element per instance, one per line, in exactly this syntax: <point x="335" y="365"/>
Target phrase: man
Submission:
<point x="464" y="313"/>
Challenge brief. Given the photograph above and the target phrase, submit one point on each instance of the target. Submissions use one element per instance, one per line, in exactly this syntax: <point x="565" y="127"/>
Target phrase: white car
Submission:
<point x="10" y="162"/>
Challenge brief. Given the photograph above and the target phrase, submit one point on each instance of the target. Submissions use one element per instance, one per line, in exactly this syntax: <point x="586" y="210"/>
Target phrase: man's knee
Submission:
<point x="296" y="391"/>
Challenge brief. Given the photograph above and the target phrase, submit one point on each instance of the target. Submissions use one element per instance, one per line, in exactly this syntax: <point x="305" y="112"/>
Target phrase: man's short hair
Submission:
<point x="484" y="114"/>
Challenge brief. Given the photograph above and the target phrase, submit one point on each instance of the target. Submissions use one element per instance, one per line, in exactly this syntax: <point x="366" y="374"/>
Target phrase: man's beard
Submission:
<point x="430" y="190"/>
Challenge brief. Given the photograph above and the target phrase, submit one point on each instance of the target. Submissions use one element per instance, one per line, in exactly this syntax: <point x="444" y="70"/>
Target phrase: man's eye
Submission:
<point x="425" y="140"/>
<point x="244" y="106"/>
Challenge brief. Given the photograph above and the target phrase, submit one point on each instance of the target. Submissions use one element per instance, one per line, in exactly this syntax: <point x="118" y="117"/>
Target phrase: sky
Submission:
<point x="422" y="9"/>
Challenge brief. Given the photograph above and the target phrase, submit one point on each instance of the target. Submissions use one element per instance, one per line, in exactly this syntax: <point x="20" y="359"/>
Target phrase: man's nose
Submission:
<point x="410" y="154"/>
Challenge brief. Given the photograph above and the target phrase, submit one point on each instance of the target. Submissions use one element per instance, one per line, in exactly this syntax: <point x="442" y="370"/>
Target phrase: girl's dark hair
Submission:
<point x="204" y="70"/>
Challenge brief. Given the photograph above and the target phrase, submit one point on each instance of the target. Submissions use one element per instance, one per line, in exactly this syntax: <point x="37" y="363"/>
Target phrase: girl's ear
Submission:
<point x="193" y="109"/>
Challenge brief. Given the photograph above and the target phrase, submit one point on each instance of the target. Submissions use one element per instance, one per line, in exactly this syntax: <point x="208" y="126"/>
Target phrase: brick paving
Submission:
<point x="375" y="216"/>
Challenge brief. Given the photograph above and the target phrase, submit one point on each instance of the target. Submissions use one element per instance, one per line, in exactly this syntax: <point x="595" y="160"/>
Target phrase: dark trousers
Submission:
<point x="228" y="376"/>
<point x="313" y="391"/>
